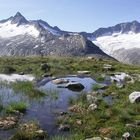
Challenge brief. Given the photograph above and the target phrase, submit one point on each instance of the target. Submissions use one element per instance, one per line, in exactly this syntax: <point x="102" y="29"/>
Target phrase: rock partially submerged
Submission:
<point x="75" y="86"/>
<point x="60" y="81"/>
<point x="134" y="97"/>
<point x="8" y="122"/>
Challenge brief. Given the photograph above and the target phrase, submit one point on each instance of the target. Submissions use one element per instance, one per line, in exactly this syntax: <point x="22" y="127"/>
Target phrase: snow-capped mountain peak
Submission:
<point x="19" y="19"/>
<point x="9" y="29"/>
<point x="121" y="41"/>
<point x="22" y="37"/>
<point x="17" y="25"/>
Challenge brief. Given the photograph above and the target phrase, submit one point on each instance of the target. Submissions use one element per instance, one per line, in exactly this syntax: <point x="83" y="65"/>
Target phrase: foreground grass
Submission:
<point x="29" y="131"/>
<point x="112" y="118"/>
<point x="16" y="106"/>
<point x="108" y="120"/>
<point x="60" y="65"/>
<point x="28" y="89"/>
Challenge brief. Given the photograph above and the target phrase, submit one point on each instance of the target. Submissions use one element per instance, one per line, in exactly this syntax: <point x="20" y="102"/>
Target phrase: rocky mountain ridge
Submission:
<point x="21" y="37"/>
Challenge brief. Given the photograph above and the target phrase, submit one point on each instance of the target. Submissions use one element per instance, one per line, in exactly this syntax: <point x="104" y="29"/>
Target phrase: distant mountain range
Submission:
<point x="22" y="37"/>
<point x="121" y="41"/>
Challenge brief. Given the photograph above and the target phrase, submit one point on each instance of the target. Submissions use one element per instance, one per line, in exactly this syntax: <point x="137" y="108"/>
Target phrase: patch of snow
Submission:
<point x="16" y="77"/>
<point x="117" y="41"/>
<point x="36" y="46"/>
<point x="43" y="39"/>
<point x="9" y="30"/>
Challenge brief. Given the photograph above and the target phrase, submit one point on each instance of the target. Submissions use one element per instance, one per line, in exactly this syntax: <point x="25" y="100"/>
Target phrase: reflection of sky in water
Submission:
<point x="46" y="111"/>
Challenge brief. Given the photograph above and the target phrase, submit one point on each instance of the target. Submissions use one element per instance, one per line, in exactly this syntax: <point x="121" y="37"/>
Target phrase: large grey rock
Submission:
<point x="134" y="97"/>
<point x="74" y="86"/>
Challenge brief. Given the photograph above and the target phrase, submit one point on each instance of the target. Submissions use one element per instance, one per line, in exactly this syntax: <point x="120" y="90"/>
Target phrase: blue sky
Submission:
<point x="74" y="15"/>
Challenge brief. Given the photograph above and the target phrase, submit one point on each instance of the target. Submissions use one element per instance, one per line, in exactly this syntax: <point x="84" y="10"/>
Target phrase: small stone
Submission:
<point x="60" y="81"/>
<point x="126" y="135"/>
<point x="114" y="94"/>
<point x="76" y="109"/>
<point x="106" y="131"/>
<point x="63" y="113"/>
<point x="83" y="72"/>
<point x="40" y="132"/>
<point x="90" y="58"/>
<point x="64" y="127"/>
<point x="105" y="138"/>
<point x="79" y="122"/>
<point x="92" y="107"/>
<point x="130" y="125"/>
<point x="92" y="99"/>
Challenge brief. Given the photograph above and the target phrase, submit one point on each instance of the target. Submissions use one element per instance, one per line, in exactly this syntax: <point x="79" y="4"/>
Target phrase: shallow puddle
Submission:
<point x="45" y="110"/>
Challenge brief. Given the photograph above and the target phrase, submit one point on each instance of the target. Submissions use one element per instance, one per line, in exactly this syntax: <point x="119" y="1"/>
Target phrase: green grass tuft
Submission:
<point x="16" y="106"/>
<point x="28" y="89"/>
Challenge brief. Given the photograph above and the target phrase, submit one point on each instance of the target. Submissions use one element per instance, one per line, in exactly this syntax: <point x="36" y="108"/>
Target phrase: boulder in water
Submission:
<point x="75" y="86"/>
